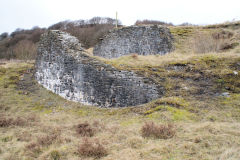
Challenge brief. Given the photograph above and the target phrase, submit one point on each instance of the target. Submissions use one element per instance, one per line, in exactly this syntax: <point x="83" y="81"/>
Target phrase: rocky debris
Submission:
<point x="63" y="67"/>
<point x="143" y="40"/>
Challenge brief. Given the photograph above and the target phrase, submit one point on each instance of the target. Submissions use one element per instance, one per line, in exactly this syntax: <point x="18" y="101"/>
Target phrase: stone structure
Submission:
<point x="63" y="67"/>
<point x="143" y="40"/>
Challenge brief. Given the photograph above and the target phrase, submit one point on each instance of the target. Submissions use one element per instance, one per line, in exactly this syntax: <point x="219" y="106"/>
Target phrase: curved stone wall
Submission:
<point x="63" y="67"/>
<point x="143" y="40"/>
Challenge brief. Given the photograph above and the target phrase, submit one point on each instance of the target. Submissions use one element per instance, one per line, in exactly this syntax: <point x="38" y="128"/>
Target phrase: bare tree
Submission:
<point x="25" y="50"/>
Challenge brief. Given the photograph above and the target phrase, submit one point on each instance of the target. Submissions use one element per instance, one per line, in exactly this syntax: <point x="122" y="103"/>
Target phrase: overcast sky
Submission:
<point x="43" y="13"/>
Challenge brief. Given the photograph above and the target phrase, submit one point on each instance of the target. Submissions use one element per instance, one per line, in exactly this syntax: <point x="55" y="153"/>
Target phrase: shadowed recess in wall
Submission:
<point x="63" y="67"/>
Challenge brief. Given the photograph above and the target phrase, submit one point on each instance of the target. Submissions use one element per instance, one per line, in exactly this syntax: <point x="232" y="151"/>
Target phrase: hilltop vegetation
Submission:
<point x="22" y="44"/>
<point x="197" y="118"/>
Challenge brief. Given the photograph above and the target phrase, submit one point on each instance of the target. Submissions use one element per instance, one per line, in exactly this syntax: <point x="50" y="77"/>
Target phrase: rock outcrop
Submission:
<point x="63" y="67"/>
<point x="143" y="40"/>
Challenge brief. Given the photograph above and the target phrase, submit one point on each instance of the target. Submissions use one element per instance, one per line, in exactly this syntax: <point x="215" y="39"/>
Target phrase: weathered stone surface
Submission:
<point x="63" y="67"/>
<point x="143" y="40"/>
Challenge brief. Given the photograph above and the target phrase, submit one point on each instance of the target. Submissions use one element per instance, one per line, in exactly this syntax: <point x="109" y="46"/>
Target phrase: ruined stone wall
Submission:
<point x="63" y="67"/>
<point x="143" y="40"/>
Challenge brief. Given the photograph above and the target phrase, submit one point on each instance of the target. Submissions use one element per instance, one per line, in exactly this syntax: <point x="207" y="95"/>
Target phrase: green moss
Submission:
<point x="180" y="114"/>
<point x="220" y="81"/>
<point x="43" y="109"/>
<point x="158" y="108"/>
<point x="177" y="114"/>
<point x="233" y="100"/>
<point x="2" y="71"/>
<point x="209" y="59"/>
<point x="7" y="139"/>
<point x="81" y="112"/>
<point x="129" y="122"/>
<point x="181" y="31"/>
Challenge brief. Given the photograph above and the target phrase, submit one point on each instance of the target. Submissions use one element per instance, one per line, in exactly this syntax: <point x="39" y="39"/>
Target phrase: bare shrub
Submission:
<point x="92" y="148"/>
<point x="153" y="22"/>
<point x="5" y="122"/>
<point x="222" y="34"/>
<point x="88" y="32"/>
<point x="24" y="136"/>
<point x="36" y="34"/>
<point x="32" y="117"/>
<point x="45" y="140"/>
<point x="19" y="122"/>
<point x="85" y="129"/>
<point x="20" y="42"/>
<point x="25" y="50"/>
<point x="33" y="148"/>
<point x="89" y="35"/>
<point x="150" y="129"/>
<point x="3" y="36"/>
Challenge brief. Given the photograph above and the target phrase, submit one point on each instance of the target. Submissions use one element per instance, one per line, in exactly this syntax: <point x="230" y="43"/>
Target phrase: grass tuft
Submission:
<point x="92" y="148"/>
<point x="55" y="155"/>
<point x="85" y="129"/>
<point x="150" y="129"/>
<point x="9" y="121"/>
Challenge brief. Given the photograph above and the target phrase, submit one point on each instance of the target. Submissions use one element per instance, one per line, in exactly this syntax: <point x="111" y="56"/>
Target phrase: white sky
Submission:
<point x="43" y="13"/>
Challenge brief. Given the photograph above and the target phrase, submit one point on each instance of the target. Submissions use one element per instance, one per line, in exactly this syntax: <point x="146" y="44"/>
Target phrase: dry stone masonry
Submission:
<point x="143" y="40"/>
<point x="63" y="67"/>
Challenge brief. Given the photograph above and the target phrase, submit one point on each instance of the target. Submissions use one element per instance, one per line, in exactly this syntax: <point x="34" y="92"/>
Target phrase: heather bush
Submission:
<point x="5" y="122"/>
<point x="150" y="129"/>
<point x="46" y="140"/>
<point x="92" y="148"/>
<point x="9" y="121"/>
<point x="85" y="129"/>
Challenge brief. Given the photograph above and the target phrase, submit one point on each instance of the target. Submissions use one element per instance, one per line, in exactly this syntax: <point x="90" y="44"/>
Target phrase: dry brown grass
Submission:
<point x="33" y="148"/>
<point x="5" y="122"/>
<point x="127" y="62"/>
<point x="9" y="121"/>
<point x="150" y="129"/>
<point x="207" y="43"/>
<point x="92" y="148"/>
<point x="45" y="140"/>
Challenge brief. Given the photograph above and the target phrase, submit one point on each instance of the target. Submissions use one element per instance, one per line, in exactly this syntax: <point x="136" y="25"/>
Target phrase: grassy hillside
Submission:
<point x="197" y="118"/>
<point x="201" y="104"/>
